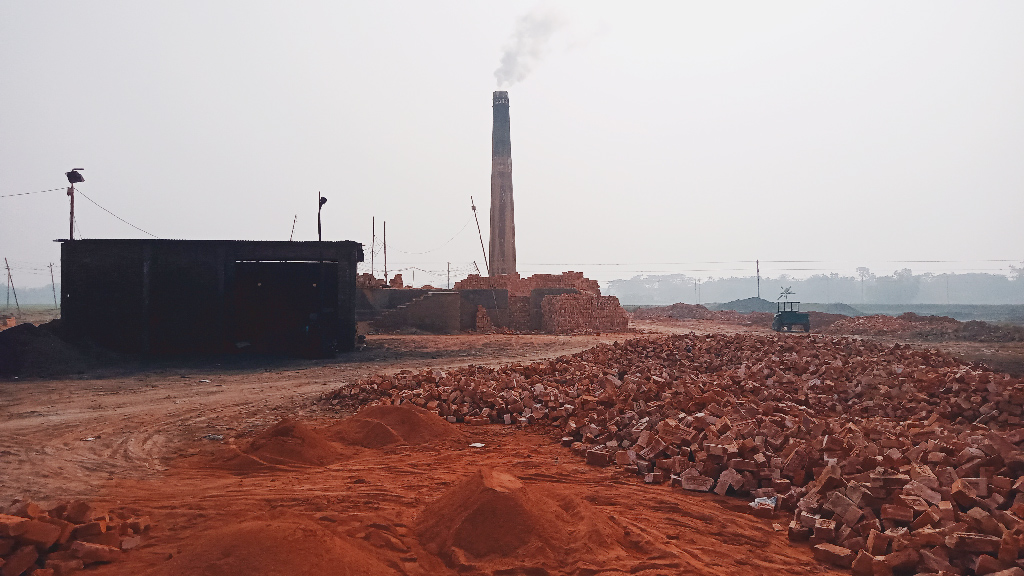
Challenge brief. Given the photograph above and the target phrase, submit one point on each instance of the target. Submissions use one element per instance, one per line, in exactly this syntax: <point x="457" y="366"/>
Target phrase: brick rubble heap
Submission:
<point x="64" y="539"/>
<point x="888" y="459"/>
<point x="518" y="286"/>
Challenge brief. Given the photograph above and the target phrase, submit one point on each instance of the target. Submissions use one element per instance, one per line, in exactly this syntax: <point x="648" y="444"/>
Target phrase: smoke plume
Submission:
<point x="527" y="46"/>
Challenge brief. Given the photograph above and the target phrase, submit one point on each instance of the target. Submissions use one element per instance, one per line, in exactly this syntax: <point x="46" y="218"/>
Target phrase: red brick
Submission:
<point x="40" y="534"/>
<point x="90" y="553"/>
<point x="863" y="564"/>
<point x="12" y="525"/>
<point x="835" y="555"/>
<point x="81" y="512"/>
<point x="598" y="458"/>
<point x="696" y="483"/>
<point x="20" y="561"/>
<point x="963" y="493"/>
<point x="904" y="559"/>
<point x="935" y="560"/>
<point x="64" y="566"/>
<point x="986" y="564"/>
<point x="970" y="542"/>
<point x="825" y="530"/>
<point x="896" y="513"/>
<point x="878" y="543"/>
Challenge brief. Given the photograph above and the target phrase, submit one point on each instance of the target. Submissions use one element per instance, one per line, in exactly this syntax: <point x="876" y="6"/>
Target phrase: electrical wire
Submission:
<point x="461" y="230"/>
<point x="116" y="216"/>
<point x="37" y="192"/>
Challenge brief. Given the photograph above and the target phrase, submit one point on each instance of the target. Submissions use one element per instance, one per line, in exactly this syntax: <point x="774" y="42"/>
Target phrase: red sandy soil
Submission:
<point x="383" y="493"/>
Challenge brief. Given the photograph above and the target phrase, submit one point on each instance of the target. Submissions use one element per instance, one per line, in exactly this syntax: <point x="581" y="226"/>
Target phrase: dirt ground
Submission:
<point x="143" y="437"/>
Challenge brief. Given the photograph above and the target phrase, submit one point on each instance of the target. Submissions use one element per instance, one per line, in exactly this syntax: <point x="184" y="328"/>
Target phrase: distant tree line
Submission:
<point x="901" y="287"/>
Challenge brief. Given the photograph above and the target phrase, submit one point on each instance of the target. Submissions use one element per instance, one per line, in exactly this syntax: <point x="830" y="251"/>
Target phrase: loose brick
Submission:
<point x="40" y="534"/>
<point x="64" y="566"/>
<point x="20" y="561"/>
<point x="970" y="542"/>
<point x="878" y="543"/>
<point x="12" y="525"/>
<point x="90" y="553"/>
<point x="832" y="554"/>
<point x="863" y="564"/>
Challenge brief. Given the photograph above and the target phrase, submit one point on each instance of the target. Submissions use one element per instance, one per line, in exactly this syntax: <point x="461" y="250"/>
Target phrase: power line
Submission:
<point x="442" y="245"/>
<point x="115" y="215"/>
<point x="37" y="192"/>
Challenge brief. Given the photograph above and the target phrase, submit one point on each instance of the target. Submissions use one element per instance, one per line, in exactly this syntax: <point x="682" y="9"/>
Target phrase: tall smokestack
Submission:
<point x="503" y="224"/>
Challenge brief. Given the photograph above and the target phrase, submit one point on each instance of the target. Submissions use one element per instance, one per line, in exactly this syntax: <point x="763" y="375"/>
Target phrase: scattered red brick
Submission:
<point x="891" y="459"/>
<point x="63" y="539"/>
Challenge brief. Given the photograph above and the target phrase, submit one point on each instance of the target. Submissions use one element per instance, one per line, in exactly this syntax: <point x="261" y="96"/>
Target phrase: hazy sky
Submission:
<point x="646" y="137"/>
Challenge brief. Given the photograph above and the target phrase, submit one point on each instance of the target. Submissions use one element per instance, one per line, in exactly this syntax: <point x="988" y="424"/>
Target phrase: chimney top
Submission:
<point x="500" y="97"/>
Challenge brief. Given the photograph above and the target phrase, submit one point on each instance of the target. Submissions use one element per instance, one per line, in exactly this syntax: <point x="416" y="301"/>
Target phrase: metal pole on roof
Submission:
<point x="53" y="285"/>
<point x="10" y="281"/>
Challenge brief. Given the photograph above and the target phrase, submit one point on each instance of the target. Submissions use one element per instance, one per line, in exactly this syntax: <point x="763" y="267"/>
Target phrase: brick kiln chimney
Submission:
<point x="503" y="224"/>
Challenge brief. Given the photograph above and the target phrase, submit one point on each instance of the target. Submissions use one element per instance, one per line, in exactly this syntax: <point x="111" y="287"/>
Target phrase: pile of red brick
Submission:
<point x="890" y="459"/>
<point x="871" y="325"/>
<point x="518" y="286"/>
<point x="575" y="313"/>
<point x="368" y="281"/>
<point x="64" y="539"/>
<point x="682" y="311"/>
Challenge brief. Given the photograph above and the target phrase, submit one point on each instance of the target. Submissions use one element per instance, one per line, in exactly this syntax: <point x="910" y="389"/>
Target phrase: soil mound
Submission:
<point x="261" y="548"/>
<point x="492" y="515"/>
<point x="822" y="320"/>
<point x="289" y="443"/>
<point x="747" y="305"/>
<point x="379" y="426"/>
<point x="30" y="350"/>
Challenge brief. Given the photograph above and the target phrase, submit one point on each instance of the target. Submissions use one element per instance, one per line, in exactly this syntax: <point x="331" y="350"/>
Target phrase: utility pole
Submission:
<point x="319" y="228"/>
<point x="758" y="279"/>
<point x="73" y="178"/>
<point x="480" y="234"/>
<point x="10" y="282"/>
<point x="53" y="284"/>
<point x="385" y="250"/>
<point x="373" y="240"/>
<point x="449" y="275"/>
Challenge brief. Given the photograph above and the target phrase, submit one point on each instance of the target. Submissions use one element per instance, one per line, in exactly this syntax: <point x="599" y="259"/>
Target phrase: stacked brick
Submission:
<point x="576" y="313"/>
<point x="888" y="459"/>
<point x="518" y="286"/>
<point x="483" y="320"/>
<point x="64" y="539"/>
<point x="368" y="281"/>
<point x="519" y="313"/>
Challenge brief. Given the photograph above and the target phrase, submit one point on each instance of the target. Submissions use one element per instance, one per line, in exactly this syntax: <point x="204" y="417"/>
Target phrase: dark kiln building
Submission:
<point x="211" y="296"/>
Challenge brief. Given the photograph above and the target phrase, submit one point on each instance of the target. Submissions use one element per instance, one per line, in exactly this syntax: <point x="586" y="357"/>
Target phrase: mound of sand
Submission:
<point x="290" y="443"/>
<point x="492" y="515"/>
<point x="256" y="548"/>
<point x="379" y="426"/>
